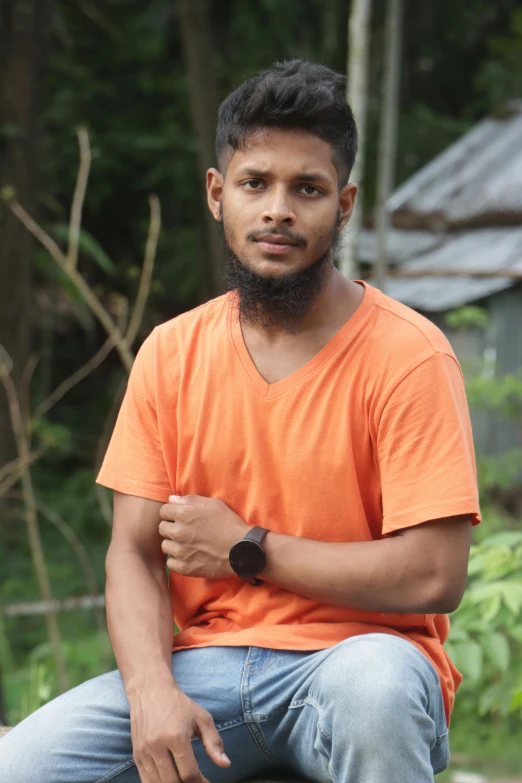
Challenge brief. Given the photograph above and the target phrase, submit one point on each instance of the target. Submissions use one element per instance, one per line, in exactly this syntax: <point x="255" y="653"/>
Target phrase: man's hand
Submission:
<point x="163" y="722"/>
<point x="198" y="533"/>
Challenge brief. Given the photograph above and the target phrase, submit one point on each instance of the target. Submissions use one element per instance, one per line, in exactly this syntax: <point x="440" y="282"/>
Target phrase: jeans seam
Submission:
<point x="435" y="692"/>
<point x="246" y="704"/>
<point x="256" y="669"/>
<point x="313" y="703"/>
<point x="116" y="771"/>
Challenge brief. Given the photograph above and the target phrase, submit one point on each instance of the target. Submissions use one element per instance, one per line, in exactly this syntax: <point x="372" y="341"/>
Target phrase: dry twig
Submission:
<point x="78" y="197"/>
<point x="70" y="536"/>
<point x="146" y="270"/>
<point x="31" y="517"/>
<point x="73" y="379"/>
<point x="12" y="471"/>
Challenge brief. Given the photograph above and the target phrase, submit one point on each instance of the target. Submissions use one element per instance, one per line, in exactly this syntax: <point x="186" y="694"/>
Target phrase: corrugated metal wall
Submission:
<point x="493" y="434"/>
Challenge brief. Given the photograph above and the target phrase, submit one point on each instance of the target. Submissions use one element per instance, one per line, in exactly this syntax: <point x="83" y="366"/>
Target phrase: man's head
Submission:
<point x="286" y="142"/>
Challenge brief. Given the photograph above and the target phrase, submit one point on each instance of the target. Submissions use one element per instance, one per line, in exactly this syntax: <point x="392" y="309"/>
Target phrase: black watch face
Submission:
<point x="247" y="558"/>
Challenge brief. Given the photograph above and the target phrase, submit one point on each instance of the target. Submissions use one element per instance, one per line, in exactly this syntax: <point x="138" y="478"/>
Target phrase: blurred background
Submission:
<point x="107" y="121"/>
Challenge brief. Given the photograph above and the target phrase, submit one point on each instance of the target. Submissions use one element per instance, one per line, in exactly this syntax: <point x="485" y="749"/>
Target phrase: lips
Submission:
<point x="276" y="244"/>
<point x="276" y="239"/>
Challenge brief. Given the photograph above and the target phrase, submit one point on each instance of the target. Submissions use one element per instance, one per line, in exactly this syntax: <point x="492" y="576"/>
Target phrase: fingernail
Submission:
<point x="224" y="757"/>
<point x="174" y="497"/>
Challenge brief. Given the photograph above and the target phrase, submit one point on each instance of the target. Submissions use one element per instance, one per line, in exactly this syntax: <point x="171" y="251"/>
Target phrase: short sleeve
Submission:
<point x="134" y="463"/>
<point x="425" y="448"/>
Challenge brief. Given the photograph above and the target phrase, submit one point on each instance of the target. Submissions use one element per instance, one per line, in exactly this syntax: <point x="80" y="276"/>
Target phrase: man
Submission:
<point x="300" y="451"/>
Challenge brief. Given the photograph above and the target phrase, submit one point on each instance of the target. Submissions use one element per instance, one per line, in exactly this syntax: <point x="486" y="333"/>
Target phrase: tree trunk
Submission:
<point x="24" y="27"/>
<point x="388" y="133"/>
<point x="356" y="95"/>
<point x="204" y="105"/>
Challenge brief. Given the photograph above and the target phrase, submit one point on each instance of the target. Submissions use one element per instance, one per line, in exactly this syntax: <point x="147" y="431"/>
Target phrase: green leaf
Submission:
<point x="469" y="658"/>
<point x="88" y="245"/>
<point x="516" y="699"/>
<point x="512" y="595"/>
<point x="496" y="647"/>
<point x="490" y="699"/>
<point x="516" y="633"/>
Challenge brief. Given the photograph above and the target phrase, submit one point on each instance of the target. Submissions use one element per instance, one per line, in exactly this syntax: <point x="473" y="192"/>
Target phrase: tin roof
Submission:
<point x="479" y="174"/>
<point x="494" y="249"/>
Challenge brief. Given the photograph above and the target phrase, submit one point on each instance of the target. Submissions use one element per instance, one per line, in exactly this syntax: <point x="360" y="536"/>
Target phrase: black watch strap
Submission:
<point x="257" y="534"/>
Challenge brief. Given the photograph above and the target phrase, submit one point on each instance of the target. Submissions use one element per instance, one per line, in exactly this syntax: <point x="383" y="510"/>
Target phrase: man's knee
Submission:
<point x="373" y="685"/>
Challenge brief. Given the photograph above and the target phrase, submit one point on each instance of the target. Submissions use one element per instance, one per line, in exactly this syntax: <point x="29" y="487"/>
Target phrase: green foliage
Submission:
<point x="469" y="315"/>
<point x="486" y="635"/>
<point x="35" y="684"/>
<point x="88" y="245"/>
<point x="499" y="77"/>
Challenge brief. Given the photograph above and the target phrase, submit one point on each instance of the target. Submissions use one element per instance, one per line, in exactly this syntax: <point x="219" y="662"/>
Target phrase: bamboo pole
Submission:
<point x="388" y="133"/>
<point x="356" y="96"/>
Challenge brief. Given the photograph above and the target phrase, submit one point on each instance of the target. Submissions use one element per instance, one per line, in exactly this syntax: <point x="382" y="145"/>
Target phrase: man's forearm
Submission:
<point x="394" y="574"/>
<point x="139" y="618"/>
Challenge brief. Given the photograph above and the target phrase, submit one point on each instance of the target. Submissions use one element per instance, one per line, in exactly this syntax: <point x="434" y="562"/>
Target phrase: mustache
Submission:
<point x="297" y="238"/>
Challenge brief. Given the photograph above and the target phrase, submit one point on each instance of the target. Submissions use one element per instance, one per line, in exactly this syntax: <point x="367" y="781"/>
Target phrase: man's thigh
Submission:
<point x="83" y="736"/>
<point x="367" y="703"/>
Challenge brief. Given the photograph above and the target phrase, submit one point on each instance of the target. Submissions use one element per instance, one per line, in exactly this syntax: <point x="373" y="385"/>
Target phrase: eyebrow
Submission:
<point x="304" y="176"/>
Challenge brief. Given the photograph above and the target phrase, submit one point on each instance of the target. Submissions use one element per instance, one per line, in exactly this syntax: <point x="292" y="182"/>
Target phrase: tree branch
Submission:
<point x="31" y="517"/>
<point x="79" y="197"/>
<point x="146" y="270"/>
<point x="83" y="287"/>
<point x="75" y="378"/>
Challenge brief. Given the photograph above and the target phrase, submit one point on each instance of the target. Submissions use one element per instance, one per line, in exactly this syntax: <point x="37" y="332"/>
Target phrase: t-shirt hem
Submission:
<point x="138" y="488"/>
<point x="416" y="516"/>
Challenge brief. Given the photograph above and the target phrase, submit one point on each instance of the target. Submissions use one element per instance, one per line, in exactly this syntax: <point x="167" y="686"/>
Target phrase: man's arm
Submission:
<point x="420" y="569"/>
<point x="139" y="617"/>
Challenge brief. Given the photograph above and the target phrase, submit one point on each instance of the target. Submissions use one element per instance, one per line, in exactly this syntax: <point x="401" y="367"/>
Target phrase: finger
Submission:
<point x="166" y="768"/>
<point x="178" y="566"/>
<point x="212" y="741"/>
<point x="184" y="500"/>
<point x="186" y="763"/>
<point x="171" y="547"/>
<point x="168" y="512"/>
<point x="167" y="529"/>
<point x="147" y="770"/>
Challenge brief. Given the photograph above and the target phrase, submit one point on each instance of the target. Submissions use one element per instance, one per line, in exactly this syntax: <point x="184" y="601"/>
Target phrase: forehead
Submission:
<point x="284" y="152"/>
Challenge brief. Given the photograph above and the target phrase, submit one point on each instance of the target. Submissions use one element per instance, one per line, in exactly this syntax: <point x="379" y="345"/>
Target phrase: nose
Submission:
<point x="278" y="209"/>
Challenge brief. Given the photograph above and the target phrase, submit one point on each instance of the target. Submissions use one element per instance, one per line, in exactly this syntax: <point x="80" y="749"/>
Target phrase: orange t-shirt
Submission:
<point x="370" y="436"/>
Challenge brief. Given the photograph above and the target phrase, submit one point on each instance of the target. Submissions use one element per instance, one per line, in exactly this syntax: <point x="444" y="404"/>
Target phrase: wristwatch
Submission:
<point x="247" y="556"/>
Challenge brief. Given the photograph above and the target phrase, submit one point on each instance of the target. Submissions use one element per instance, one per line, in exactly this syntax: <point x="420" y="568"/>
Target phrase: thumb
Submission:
<point x="212" y="742"/>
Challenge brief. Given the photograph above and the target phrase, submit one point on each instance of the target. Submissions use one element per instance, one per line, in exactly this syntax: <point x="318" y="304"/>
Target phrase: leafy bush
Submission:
<point x="486" y="637"/>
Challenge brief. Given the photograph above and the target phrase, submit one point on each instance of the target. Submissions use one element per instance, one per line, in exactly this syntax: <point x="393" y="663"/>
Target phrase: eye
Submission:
<point x="252" y="184"/>
<point x="310" y="190"/>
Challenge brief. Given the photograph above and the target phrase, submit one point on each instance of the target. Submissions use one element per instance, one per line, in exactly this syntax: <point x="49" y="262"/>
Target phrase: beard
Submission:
<point x="280" y="301"/>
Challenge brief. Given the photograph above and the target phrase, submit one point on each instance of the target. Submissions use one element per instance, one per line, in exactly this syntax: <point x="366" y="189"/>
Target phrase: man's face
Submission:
<point x="282" y="211"/>
<point x="280" y="202"/>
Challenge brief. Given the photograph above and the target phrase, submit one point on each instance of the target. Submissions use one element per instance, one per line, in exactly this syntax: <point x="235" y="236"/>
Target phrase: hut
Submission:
<point x="456" y="240"/>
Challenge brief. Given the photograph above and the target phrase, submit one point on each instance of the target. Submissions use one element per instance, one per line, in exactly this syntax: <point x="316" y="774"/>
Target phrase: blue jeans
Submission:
<point x="368" y="710"/>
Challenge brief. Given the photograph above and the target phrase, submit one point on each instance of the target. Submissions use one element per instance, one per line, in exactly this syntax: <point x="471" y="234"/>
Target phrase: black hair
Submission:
<point x="297" y="95"/>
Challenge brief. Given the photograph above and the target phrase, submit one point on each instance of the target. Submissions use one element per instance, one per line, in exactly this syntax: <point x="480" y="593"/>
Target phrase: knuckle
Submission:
<point x="177" y="739"/>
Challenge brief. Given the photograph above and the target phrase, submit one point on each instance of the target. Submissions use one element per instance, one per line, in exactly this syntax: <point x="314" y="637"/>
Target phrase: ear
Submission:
<point x="346" y="202"/>
<point x="214" y="192"/>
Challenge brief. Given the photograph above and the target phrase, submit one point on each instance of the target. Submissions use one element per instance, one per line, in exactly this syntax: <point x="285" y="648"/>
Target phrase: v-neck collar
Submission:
<point x="344" y="335"/>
